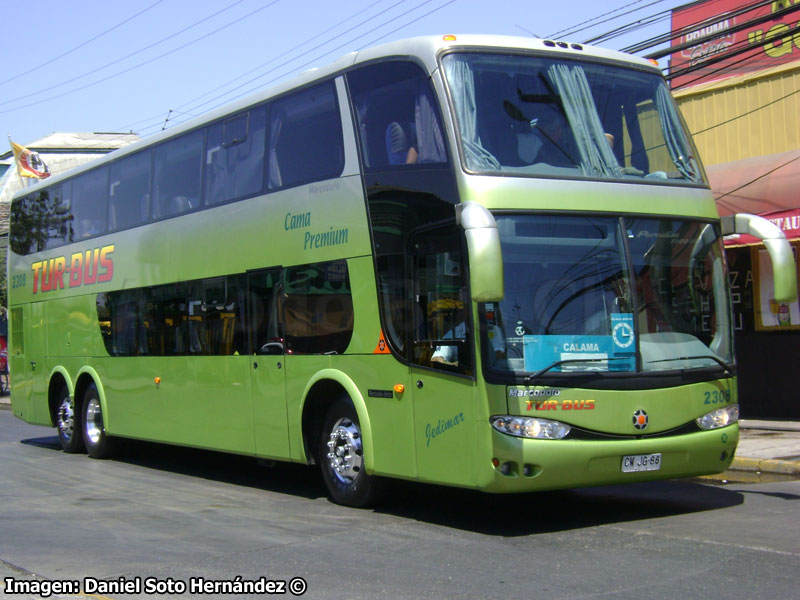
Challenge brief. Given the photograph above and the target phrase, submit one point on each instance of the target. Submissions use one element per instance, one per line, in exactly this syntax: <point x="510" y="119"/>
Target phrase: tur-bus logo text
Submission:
<point x="84" y="268"/>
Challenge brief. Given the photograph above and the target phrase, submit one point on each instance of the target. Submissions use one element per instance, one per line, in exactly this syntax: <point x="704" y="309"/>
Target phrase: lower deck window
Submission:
<point x="305" y="309"/>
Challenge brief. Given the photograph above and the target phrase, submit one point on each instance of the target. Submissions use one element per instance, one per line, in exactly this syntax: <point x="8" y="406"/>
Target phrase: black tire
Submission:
<point x="98" y="443"/>
<point x="341" y="458"/>
<point x="68" y="423"/>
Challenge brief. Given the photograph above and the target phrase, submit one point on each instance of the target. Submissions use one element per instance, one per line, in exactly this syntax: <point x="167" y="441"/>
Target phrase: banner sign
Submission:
<point x="775" y="41"/>
<point x="615" y="352"/>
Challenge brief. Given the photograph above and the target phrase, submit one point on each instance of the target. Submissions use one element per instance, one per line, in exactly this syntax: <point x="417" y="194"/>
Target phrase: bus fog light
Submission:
<point x="529" y="427"/>
<point x="720" y="417"/>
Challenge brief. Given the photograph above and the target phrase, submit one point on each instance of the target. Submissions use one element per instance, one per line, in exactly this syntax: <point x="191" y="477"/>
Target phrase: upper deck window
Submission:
<point x="305" y="138"/>
<point x="531" y="115"/>
<point x="398" y="117"/>
<point x="177" y="175"/>
<point x="88" y="201"/>
<point x="235" y="157"/>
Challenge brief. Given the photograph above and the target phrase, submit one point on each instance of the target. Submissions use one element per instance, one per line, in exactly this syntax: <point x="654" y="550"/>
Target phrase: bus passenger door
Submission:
<point x="442" y="371"/>
<point x="267" y="364"/>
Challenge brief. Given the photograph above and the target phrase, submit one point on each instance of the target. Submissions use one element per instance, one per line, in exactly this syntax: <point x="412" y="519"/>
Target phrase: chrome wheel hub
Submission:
<point x="344" y="450"/>
<point x="66" y="417"/>
<point x="94" y="421"/>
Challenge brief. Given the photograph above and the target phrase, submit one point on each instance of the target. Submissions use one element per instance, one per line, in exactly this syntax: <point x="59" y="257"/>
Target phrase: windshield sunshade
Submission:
<point x="529" y="115"/>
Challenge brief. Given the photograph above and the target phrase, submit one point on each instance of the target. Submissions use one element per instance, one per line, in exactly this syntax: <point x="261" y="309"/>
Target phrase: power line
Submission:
<point x="744" y="114"/>
<point x="158" y="119"/>
<point x="629" y="28"/>
<point x="703" y="67"/>
<point x="595" y="20"/>
<point x="735" y="50"/>
<point x="744" y="185"/>
<point x="373" y="42"/>
<point x="733" y="29"/>
<point x="318" y="57"/>
<point x="671" y="35"/>
<point x="194" y="41"/>
<point x="290" y="50"/>
<point x="189" y="112"/>
<point x="289" y="61"/>
<point x="81" y="45"/>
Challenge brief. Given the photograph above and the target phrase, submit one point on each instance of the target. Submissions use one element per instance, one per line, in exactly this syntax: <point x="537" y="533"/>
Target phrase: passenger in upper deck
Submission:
<point x="425" y="144"/>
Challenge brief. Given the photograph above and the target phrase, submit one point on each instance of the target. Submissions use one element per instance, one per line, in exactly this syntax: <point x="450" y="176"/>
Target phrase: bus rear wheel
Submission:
<point x="68" y="423"/>
<point x="98" y="443"/>
<point x="341" y="456"/>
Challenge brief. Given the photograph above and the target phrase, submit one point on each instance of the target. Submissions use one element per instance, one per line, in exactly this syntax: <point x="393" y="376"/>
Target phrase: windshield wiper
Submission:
<point x="534" y="376"/>
<point x="725" y="367"/>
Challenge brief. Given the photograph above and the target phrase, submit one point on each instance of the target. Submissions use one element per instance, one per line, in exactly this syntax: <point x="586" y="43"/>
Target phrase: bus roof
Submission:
<point x="423" y="48"/>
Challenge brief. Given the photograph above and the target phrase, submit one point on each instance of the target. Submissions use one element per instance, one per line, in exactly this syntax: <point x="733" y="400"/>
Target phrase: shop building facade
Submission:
<point x="738" y="88"/>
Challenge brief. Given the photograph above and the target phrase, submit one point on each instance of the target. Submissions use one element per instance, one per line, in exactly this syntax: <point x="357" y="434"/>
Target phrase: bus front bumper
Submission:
<point x="523" y="465"/>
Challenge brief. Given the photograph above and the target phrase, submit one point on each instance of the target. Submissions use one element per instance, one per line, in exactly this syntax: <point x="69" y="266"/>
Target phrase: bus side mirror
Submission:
<point x="484" y="253"/>
<point x="784" y="270"/>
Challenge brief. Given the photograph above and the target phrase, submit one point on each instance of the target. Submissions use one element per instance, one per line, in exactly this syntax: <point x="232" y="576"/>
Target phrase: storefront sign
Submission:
<point x="774" y="41"/>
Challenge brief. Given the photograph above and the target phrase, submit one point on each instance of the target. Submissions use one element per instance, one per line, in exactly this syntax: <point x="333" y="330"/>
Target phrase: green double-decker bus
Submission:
<point x="485" y="262"/>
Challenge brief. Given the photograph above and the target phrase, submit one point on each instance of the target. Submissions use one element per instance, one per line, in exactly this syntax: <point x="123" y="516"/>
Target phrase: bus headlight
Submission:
<point x="720" y="417"/>
<point x="528" y="427"/>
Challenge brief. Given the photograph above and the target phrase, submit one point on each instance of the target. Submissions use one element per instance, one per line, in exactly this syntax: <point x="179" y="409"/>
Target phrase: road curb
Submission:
<point x="765" y="465"/>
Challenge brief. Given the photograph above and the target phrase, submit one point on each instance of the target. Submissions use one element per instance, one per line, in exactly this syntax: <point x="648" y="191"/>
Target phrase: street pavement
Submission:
<point x="768" y="451"/>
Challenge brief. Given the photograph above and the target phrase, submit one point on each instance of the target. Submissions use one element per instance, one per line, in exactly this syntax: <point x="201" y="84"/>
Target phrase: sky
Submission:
<point x="144" y="65"/>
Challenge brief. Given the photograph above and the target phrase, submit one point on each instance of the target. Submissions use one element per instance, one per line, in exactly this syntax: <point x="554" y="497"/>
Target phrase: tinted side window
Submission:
<point x="129" y="192"/>
<point x="58" y="215"/>
<point x="177" y="179"/>
<point x="398" y="117"/>
<point x="264" y="296"/>
<point x="201" y="317"/>
<point x="235" y="157"/>
<point x="41" y="221"/>
<point x="439" y="317"/>
<point x="88" y="201"/>
<point x="305" y="139"/>
<point x="318" y="308"/>
<point x="223" y="316"/>
<point x="214" y="316"/>
<point x="23" y="226"/>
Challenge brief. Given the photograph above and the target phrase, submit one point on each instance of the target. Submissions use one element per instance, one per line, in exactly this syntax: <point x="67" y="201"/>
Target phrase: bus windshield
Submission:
<point x="537" y="116"/>
<point x="628" y="294"/>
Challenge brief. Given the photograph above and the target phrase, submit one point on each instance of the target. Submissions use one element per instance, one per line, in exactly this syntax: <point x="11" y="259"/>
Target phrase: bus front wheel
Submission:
<point x="341" y="455"/>
<point x="98" y="443"/>
<point x="68" y="423"/>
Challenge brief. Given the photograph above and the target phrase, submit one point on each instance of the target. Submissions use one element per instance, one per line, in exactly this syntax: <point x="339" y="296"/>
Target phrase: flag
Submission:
<point x="29" y="163"/>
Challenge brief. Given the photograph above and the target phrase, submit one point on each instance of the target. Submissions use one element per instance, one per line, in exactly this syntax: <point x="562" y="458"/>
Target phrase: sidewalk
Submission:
<point x="766" y="448"/>
<point x="770" y="448"/>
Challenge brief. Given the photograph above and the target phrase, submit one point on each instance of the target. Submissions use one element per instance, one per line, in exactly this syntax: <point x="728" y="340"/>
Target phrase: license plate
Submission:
<point x="635" y="463"/>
